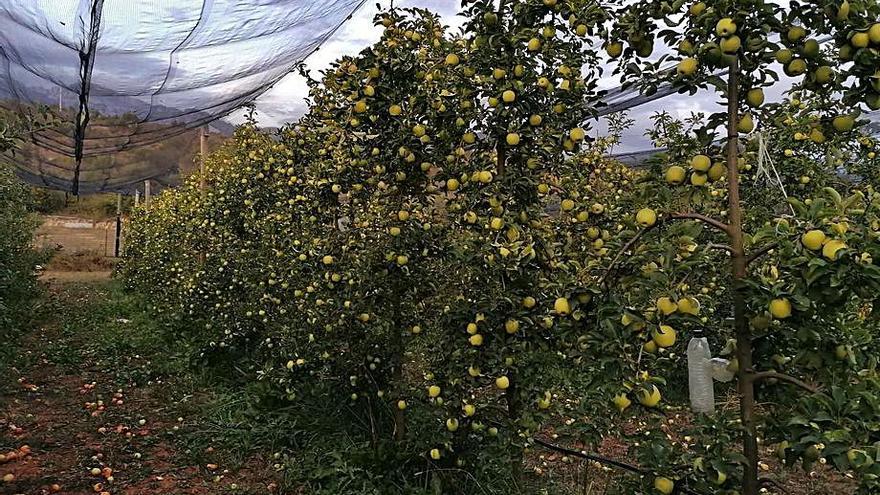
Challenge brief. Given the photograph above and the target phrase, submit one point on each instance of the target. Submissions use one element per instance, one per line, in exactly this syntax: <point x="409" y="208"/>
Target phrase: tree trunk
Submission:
<point x="397" y="385"/>
<point x="514" y="409"/>
<point x="741" y="324"/>
<point x="399" y="348"/>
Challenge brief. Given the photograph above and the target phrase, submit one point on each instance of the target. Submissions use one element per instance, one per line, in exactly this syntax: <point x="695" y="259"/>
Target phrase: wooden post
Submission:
<point x="118" y="223"/>
<point x="147" y="193"/>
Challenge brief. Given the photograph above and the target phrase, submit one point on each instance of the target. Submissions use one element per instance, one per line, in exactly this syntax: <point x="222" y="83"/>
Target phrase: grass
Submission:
<point x="80" y="262"/>
<point x="98" y="331"/>
<point x="92" y="207"/>
<point x="103" y="327"/>
<point x="100" y="325"/>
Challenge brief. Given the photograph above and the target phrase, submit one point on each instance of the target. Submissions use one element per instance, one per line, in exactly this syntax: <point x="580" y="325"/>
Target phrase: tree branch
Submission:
<point x="774" y="483"/>
<point x="724" y="247"/>
<point x="500" y="148"/>
<point x="626" y="247"/>
<point x="723" y="227"/>
<point x="672" y="216"/>
<point x="764" y="375"/>
<point x="606" y="461"/>
<point x="590" y="457"/>
<point x="761" y="252"/>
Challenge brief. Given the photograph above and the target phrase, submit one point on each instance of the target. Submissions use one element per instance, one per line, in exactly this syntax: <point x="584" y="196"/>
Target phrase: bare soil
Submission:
<point x="83" y="432"/>
<point x="61" y="277"/>
<point x="81" y="262"/>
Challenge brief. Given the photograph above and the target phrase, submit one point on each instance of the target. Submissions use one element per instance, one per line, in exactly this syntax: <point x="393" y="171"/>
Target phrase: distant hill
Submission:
<point x="47" y="163"/>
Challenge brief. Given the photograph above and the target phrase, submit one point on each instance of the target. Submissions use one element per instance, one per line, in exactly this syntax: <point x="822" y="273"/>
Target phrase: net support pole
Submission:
<point x="118" y="224"/>
<point x="203" y="184"/>
<point x="147" y="193"/>
<point x="203" y="149"/>
<point x="87" y="64"/>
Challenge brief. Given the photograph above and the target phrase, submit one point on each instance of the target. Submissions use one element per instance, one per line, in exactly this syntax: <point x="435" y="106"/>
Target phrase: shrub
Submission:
<point x="17" y="256"/>
<point x="438" y="254"/>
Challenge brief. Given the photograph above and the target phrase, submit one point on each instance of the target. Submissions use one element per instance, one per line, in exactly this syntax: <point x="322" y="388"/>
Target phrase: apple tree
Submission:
<point x="799" y="259"/>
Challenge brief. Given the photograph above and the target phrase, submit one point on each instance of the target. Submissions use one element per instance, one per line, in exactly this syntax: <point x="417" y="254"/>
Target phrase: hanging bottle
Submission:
<point x="700" y="384"/>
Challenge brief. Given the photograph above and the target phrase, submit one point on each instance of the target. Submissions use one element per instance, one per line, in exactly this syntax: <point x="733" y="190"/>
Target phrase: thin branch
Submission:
<point x="590" y="457"/>
<point x="672" y="216"/>
<point x="769" y="247"/>
<point x="723" y="227"/>
<point x="723" y="247"/>
<point x="500" y="148"/>
<point x="604" y="460"/>
<point x="764" y="375"/>
<point x="761" y="252"/>
<point x="626" y="247"/>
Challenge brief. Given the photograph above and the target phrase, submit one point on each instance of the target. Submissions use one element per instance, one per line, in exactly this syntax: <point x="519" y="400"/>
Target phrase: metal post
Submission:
<point x="147" y="193"/>
<point x="118" y="223"/>
<point x="137" y="197"/>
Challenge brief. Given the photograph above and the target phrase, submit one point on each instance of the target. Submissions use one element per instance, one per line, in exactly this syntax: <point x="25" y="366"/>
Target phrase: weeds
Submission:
<point x="100" y="330"/>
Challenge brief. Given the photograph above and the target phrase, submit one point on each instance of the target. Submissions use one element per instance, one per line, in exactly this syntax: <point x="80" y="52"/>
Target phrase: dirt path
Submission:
<point x="77" y="235"/>
<point x="59" y="277"/>
<point x="73" y="422"/>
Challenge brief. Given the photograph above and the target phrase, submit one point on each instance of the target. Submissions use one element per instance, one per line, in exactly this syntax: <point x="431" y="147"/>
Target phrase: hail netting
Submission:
<point x="131" y="79"/>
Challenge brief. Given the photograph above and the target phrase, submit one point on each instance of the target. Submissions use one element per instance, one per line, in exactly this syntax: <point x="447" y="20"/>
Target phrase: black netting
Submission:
<point x="131" y="80"/>
<point x="124" y="74"/>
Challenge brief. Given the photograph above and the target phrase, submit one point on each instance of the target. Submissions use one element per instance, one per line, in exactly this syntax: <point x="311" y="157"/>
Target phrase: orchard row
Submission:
<point x="440" y="247"/>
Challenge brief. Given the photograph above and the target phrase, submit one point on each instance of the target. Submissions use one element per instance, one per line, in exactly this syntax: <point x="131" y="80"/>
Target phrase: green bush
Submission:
<point x="17" y="256"/>
<point x="48" y="201"/>
<point x="18" y="259"/>
<point x="437" y="256"/>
